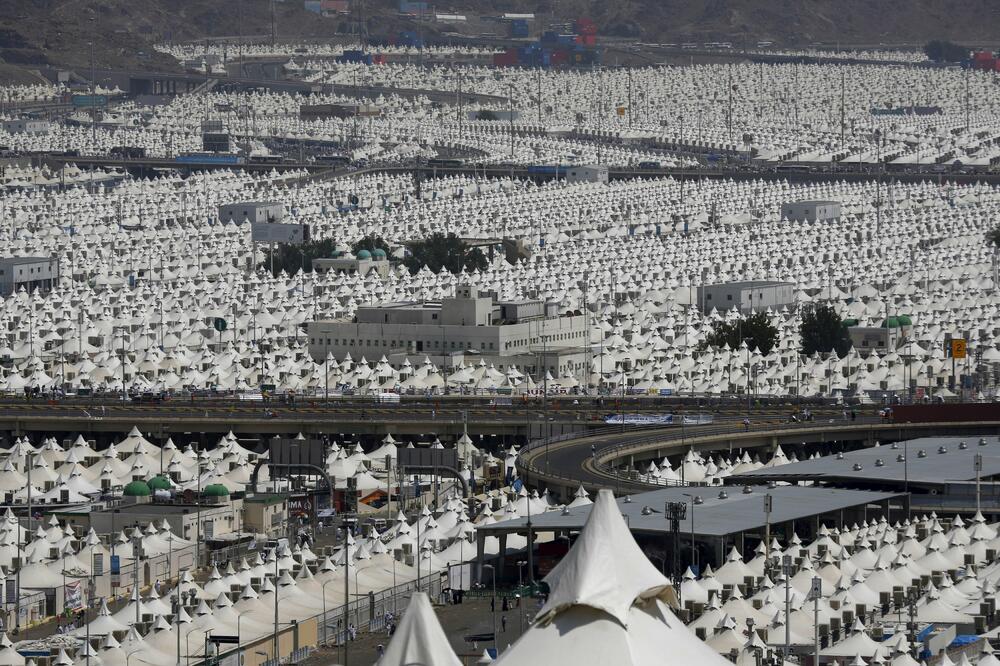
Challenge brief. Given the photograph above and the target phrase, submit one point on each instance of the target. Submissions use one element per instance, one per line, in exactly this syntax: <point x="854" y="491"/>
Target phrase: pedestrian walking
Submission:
<point x="503" y="624"/>
<point x="379" y="651"/>
<point x="493" y="604"/>
<point x="505" y="606"/>
<point x="352" y="631"/>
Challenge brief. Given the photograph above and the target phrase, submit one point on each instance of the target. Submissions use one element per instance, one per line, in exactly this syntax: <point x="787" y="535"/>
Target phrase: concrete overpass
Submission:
<point x="602" y="458"/>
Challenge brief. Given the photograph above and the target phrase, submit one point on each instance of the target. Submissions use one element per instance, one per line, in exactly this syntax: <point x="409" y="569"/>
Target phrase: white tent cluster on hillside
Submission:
<point x="147" y="268"/>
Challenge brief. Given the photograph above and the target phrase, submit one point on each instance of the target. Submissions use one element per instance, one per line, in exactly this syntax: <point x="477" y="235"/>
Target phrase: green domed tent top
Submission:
<point x="215" y="490"/>
<point x="159" y="483"/>
<point x="849" y="322"/>
<point x="905" y="320"/>
<point x="137" y="489"/>
<point x="379" y="253"/>
<point x="364" y="254"/>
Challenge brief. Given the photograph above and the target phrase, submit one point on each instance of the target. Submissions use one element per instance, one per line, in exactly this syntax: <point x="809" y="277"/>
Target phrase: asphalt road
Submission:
<point x="572" y="460"/>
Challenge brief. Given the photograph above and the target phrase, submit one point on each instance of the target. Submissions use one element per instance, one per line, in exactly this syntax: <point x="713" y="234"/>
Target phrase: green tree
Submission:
<point x="944" y="51"/>
<point x="293" y="258"/>
<point x="756" y="330"/>
<point x="371" y="243"/>
<point x="440" y="251"/>
<point x="993" y="238"/>
<point x="822" y="330"/>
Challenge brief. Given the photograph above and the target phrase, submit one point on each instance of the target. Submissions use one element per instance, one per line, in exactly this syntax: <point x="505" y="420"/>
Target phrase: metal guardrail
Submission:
<point x="368" y="613"/>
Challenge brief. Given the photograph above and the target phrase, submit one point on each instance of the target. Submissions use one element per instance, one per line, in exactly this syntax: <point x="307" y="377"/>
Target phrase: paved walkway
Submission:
<point x="458" y="621"/>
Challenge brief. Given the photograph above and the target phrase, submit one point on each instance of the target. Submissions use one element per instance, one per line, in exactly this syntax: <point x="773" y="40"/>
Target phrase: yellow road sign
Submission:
<point x="958" y="347"/>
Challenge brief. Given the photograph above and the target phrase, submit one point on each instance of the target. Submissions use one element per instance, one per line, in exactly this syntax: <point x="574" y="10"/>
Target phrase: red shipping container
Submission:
<point x="585" y="26"/>
<point x="590" y="40"/>
<point x="996" y="65"/>
<point x="559" y="57"/>
<point x="579" y="39"/>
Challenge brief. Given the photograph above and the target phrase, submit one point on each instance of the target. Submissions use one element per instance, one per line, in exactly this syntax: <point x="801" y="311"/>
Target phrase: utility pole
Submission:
<point x="978" y="465"/>
<point x="538" y="84"/>
<point x="816" y="592"/>
<point x="630" y="97"/>
<point x="510" y="103"/>
<point x="729" y="111"/>
<point x="842" y="123"/>
<point x="786" y="570"/>
<point x="967" y="100"/>
<point x="272" y="45"/>
<point x="768" y="505"/>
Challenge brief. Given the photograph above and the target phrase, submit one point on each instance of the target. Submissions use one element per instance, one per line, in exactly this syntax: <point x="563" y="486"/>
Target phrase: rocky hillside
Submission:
<point x="60" y="31"/>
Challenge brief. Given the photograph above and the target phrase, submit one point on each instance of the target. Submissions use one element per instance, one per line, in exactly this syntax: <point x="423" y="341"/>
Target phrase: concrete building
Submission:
<point x="253" y="211"/>
<point x="886" y="337"/>
<point x="811" y="211"/>
<point x="216" y="519"/>
<point x="265" y="514"/>
<point x="26" y="126"/>
<point x="746" y="296"/>
<point x="597" y="173"/>
<point x="364" y="263"/>
<point x="323" y="111"/>
<point x="470" y="327"/>
<point x="29" y="272"/>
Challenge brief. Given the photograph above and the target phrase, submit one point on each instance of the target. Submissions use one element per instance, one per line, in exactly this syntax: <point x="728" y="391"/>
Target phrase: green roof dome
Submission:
<point x="905" y="320"/>
<point x="364" y="254"/>
<point x="379" y="253"/>
<point x="891" y="322"/>
<point x="159" y="483"/>
<point x="216" y="490"/>
<point x="137" y="489"/>
<point x="849" y="322"/>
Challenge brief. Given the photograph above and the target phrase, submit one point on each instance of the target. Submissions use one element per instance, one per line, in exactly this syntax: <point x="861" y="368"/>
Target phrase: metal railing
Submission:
<point x="368" y="612"/>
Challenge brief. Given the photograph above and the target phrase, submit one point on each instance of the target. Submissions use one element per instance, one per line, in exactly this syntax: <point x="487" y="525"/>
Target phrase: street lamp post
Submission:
<point x="493" y="575"/>
<point x="332" y="580"/>
<point x="695" y="499"/>
<point x="675" y="512"/>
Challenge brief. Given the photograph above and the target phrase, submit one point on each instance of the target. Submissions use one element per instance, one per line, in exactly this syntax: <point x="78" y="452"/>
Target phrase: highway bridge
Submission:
<point x="510" y="420"/>
<point x="523" y="172"/>
<point x="604" y="458"/>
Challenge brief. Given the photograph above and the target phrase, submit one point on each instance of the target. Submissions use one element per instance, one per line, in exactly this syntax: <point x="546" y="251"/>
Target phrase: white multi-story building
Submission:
<point x="471" y="326"/>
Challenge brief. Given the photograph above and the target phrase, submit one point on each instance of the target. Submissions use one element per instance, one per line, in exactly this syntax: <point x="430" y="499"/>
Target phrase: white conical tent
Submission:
<point x="419" y="638"/>
<point x="608" y="605"/>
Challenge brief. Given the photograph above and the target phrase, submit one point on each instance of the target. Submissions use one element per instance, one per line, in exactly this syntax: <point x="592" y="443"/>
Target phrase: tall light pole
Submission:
<point x="675" y="512"/>
<point x="276" y="658"/>
<point x="332" y="580"/>
<point x="493" y="575"/>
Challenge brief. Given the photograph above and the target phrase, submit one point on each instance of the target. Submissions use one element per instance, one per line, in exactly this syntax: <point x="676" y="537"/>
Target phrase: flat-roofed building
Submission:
<point x="363" y="263"/>
<point x="252" y="211"/>
<point x="31" y="273"/>
<point x="811" y="211"/>
<point x="471" y="327"/>
<point x="747" y="296"/>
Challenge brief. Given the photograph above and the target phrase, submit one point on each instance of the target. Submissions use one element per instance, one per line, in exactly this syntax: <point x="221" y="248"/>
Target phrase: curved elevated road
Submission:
<point x="563" y="464"/>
